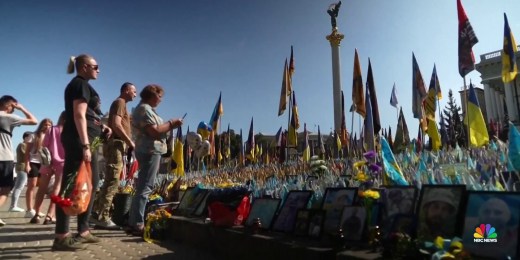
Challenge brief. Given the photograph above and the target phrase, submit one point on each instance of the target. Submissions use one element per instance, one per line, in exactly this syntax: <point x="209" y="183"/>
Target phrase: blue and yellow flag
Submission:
<point x="218" y="111"/>
<point x="430" y="102"/>
<point x="514" y="147"/>
<point x="178" y="154"/>
<point x="478" y="134"/>
<point x="435" y="137"/>
<point x="392" y="169"/>
<point x="509" y="66"/>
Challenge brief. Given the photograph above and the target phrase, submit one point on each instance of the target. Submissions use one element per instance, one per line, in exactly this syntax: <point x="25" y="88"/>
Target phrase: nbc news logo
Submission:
<point x="485" y="233"/>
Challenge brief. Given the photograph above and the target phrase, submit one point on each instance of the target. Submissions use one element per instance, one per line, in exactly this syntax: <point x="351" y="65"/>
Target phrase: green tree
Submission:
<point x="453" y="124"/>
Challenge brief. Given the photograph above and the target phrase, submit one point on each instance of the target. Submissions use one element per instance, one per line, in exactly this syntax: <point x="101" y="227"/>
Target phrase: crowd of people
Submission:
<point x="69" y="144"/>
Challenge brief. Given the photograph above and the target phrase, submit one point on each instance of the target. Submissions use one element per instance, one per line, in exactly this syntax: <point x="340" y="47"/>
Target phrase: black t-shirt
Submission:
<point x="79" y="88"/>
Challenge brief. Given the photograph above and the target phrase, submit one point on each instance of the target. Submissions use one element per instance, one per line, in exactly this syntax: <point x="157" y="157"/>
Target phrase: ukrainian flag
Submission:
<point x="478" y="134"/>
<point x="392" y="169"/>
<point x="509" y="66"/>
<point x="513" y="151"/>
<point x="178" y="154"/>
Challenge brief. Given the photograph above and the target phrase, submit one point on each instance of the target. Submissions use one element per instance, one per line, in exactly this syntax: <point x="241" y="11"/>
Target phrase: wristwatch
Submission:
<point x="85" y="146"/>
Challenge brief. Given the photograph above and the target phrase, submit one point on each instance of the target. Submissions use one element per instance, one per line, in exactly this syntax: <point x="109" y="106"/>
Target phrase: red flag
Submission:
<point x="467" y="39"/>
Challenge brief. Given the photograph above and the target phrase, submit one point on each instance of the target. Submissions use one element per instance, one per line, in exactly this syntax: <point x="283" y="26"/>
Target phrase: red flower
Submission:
<point x="66" y="203"/>
<point x="56" y="199"/>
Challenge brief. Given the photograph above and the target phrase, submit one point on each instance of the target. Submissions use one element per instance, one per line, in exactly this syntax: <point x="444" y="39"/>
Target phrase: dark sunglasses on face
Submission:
<point x="94" y="67"/>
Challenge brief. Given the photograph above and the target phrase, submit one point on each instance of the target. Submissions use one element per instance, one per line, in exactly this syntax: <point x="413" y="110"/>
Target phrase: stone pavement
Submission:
<point x="21" y="240"/>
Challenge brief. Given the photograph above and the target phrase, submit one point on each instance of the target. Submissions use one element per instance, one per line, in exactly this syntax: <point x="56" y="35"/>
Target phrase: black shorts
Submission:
<point x="35" y="170"/>
<point x="6" y="174"/>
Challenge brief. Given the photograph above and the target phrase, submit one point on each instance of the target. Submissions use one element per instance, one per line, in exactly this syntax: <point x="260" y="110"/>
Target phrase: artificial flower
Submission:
<point x="372" y="194"/>
<point x="374" y="167"/>
<point x="370" y="155"/>
<point x="358" y="165"/>
<point x="361" y="177"/>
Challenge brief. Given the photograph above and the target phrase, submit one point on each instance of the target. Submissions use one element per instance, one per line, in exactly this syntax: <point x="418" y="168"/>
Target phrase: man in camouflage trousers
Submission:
<point x="114" y="151"/>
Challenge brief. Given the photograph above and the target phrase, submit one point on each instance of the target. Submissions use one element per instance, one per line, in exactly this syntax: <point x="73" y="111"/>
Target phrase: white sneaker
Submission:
<point x="2" y="223"/>
<point x="16" y="209"/>
<point x="30" y="213"/>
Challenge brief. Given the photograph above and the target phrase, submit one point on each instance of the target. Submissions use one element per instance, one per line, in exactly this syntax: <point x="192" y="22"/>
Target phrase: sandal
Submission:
<point x="49" y="220"/>
<point x="35" y="220"/>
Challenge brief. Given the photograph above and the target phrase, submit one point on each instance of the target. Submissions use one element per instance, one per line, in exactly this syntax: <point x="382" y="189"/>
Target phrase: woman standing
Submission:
<point x="53" y="143"/>
<point x="21" y="175"/>
<point x="82" y="126"/>
<point x="150" y="132"/>
<point x="33" y="163"/>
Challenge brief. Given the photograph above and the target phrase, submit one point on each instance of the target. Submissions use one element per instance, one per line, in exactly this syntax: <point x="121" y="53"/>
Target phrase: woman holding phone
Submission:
<point x="150" y="132"/>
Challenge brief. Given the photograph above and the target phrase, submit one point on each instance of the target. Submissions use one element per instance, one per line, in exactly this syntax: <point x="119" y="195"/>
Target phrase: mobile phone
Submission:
<point x="184" y="115"/>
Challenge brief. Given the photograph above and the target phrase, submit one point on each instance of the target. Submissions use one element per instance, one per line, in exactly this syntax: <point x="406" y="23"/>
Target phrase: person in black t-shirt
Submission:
<point x="82" y="125"/>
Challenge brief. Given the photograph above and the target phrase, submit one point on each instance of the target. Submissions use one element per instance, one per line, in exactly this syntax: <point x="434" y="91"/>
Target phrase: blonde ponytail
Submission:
<point x="72" y="63"/>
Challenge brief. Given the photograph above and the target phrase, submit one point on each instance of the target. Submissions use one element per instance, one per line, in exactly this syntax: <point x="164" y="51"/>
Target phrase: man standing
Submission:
<point x="8" y="121"/>
<point x="114" y="150"/>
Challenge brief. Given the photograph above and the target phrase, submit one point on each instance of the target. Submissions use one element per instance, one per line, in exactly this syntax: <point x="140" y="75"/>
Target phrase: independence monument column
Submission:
<point x="335" y="38"/>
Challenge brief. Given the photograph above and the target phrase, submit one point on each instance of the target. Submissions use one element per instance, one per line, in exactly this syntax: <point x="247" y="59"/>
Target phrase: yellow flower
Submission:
<point x="154" y="196"/>
<point x="361" y="176"/>
<point x="359" y="164"/>
<point x="372" y="194"/>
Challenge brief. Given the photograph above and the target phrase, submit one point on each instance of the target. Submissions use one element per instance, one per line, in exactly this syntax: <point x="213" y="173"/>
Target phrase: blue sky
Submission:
<point x="195" y="49"/>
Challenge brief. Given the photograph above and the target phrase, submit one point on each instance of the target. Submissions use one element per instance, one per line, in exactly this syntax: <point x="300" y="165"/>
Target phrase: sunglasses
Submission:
<point x="94" y="67"/>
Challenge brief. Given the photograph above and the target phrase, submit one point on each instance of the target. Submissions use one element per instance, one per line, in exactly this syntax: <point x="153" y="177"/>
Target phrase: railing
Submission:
<point x="491" y="55"/>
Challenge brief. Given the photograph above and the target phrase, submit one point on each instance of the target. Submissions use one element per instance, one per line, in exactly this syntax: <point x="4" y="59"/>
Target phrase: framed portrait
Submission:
<point x="190" y="201"/>
<point x="294" y="201"/>
<point x="334" y="200"/>
<point x="353" y="222"/>
<point x="264" y="209"/>
<point x="201" y="208"/>
<point x="439" y="211"/>
<point x="491" y="224"/>
<point x="398" y="200"/>
<point x="316" y="220"/>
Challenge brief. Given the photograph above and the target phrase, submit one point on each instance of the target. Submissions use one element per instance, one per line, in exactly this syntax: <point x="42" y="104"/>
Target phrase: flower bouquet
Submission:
<point x="74" y="199"/>
<point x="157" y="223"/>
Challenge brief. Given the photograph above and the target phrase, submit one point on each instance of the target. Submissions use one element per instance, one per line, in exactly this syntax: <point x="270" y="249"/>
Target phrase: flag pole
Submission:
<point x="288" y="128"/>
<point x="353" y="111"/>
<point x="466" y="111"/>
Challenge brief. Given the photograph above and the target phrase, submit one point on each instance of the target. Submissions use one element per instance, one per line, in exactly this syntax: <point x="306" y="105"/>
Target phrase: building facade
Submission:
<point x="500" y="98"/>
